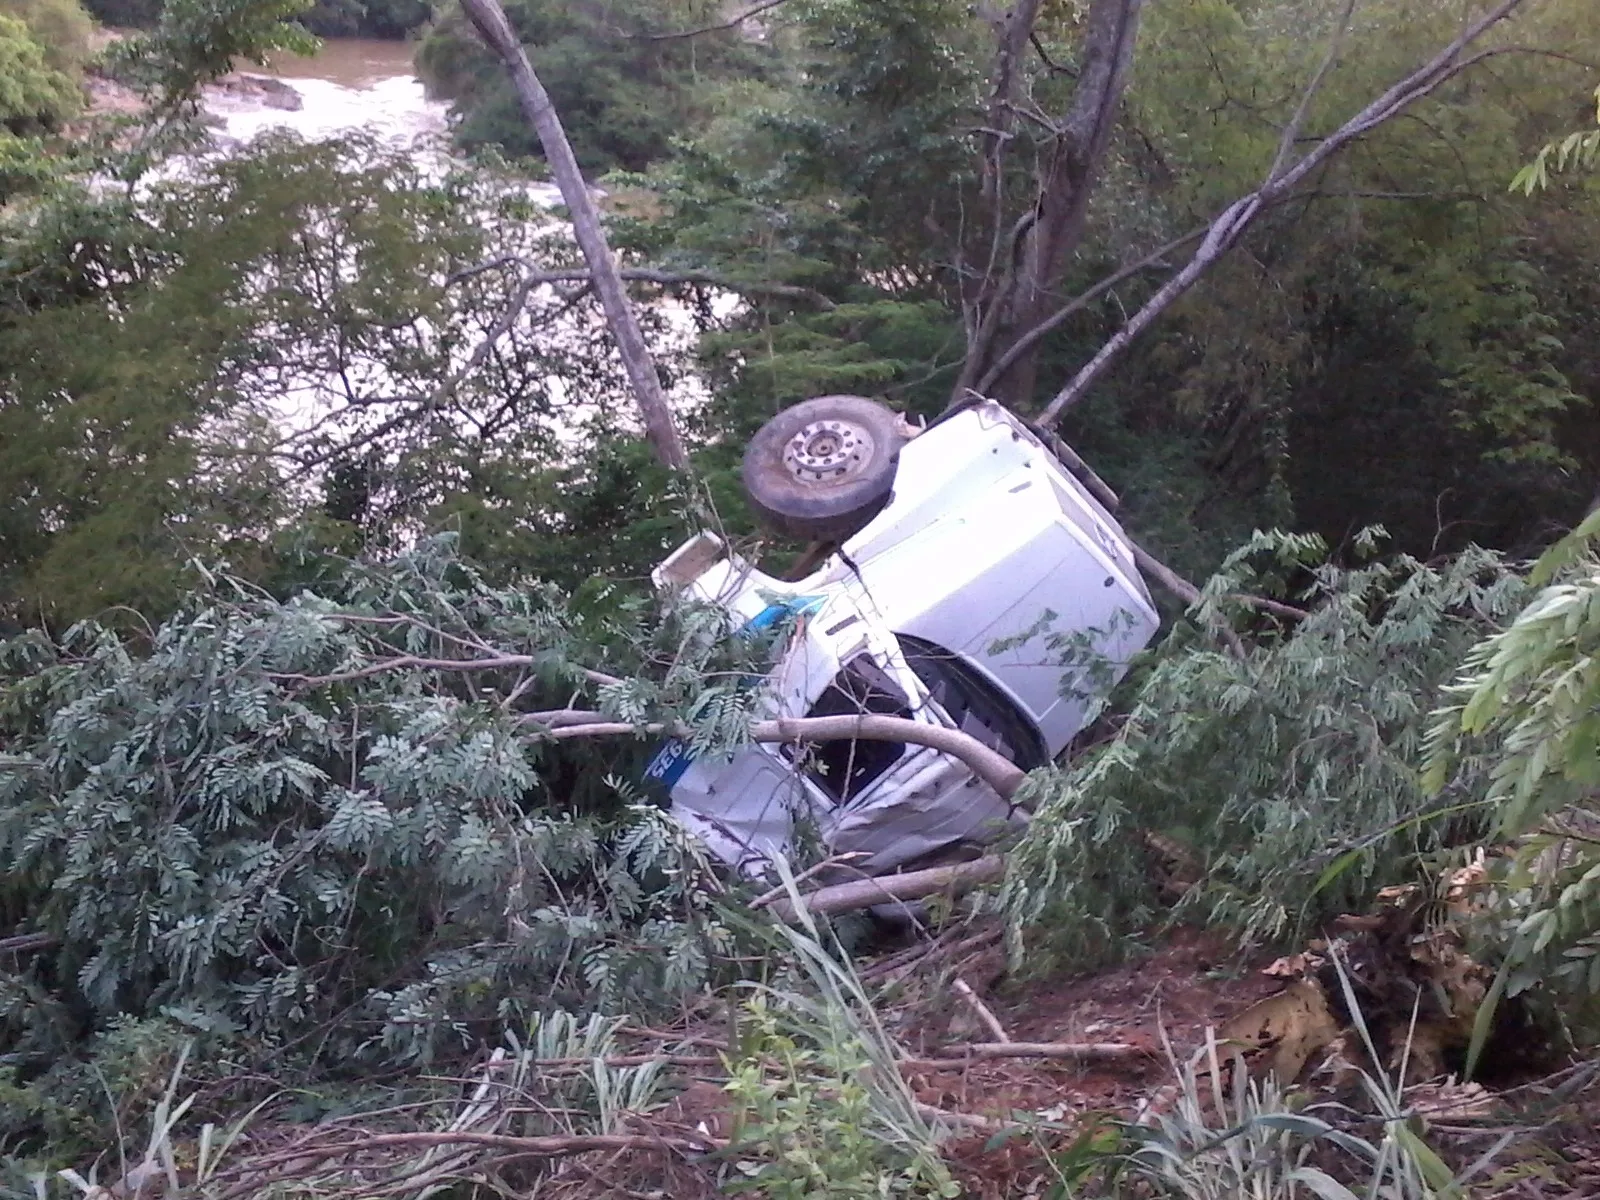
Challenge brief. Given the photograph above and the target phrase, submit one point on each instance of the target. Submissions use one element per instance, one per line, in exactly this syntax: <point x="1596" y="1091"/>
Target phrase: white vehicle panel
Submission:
<point x="985" y="539"/>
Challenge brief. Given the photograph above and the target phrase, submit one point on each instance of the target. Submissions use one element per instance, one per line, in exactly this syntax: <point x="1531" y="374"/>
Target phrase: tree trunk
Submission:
<point x="489" y="18"/>
<point x="1028" y="253"/>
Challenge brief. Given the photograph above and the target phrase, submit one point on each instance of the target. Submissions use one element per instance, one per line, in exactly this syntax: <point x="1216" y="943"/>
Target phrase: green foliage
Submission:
<point x="258" y="821"/>
<point x="1401" y="302"/>
<point x="125" y="14"/>
<point x="1293" y="760"/>
<point x="1228" y="1134"/>
<point x="324" y="18"/>
<point x="34" y="95"/>
<point x="151" y="347"/>
<point x="197" y="41"/>
<point x="61" y="27"/>
<point x="1579" y="150"/>
<point x="624" y="95"/>
<point x="1528" y="706"/>
<point x="808" y="1129"/>
<point x="836" y="1117"/>
<point x="367" y="18"/>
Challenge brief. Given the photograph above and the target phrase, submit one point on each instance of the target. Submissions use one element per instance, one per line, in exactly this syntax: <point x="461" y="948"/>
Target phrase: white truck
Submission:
<point x="955" y="553"/>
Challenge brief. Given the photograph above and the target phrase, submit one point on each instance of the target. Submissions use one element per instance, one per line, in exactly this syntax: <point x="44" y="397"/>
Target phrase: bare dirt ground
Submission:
<point x="1157" y="1006"/>
<point x="1189" y="984"/>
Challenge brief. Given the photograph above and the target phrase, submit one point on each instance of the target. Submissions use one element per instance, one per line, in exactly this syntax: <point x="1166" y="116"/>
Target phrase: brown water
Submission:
<point x="349" y="62"/>
<point x="352" y="84"/>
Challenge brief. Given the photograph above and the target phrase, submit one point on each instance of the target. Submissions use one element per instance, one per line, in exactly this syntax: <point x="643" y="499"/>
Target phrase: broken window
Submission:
<point x="844" y="769"/>
<point x="976" y="706"/>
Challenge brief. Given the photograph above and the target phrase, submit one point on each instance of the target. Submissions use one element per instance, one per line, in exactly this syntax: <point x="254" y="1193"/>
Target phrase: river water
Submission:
<point x="369" y="86"/>
<point x="351" y="84"/>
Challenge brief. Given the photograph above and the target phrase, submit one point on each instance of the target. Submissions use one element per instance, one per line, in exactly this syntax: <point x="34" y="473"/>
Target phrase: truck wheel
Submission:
<point x="825" y="467"/>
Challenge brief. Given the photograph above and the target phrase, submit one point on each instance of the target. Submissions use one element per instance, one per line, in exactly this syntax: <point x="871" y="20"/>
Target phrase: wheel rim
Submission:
<point x="827" y="451"/>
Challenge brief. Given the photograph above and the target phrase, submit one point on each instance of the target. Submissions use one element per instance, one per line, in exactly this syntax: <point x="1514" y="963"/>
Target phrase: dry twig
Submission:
<point x="984" y="1012"/>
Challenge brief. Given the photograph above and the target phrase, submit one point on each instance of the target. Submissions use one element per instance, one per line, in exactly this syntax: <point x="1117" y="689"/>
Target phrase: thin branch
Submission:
<point x="24" y="942"/>
<point x="1026" y="341"/>
<point x="1231" y="224"/>
<point x="1292" y="130"/>
<point x="1104" y="1051"/>
<point x="1045" y="58"/>
<point x="984" y="1013"/>
<point x="964" y="1120"/>
<point x="755" y="10"/>
<point x="407" y="662"/>
<point x="549" y="1146"/>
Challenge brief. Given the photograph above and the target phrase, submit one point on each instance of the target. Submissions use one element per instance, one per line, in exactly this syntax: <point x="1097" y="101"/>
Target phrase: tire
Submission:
<point x="825" y="467"/>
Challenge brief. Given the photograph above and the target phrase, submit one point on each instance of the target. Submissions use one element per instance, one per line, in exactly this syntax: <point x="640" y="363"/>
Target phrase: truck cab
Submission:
<point x="987" y="592"/>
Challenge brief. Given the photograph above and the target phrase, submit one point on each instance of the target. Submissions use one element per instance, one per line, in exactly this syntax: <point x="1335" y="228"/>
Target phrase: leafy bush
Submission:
<point x="1293" y="758"/>
<point x="61" y="27"/>
<point x="301" y="824"/>
<point x="822" y="1108"/>
<point x="1528" y="706"/>
<point x="33" y="94"/>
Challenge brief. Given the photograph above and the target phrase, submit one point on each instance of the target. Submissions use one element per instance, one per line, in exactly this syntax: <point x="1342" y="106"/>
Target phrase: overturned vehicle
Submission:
<point x="969" y="581"/>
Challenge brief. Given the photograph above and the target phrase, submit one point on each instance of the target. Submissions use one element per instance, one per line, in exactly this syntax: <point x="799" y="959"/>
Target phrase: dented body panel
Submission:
<point x="955" y="606"/>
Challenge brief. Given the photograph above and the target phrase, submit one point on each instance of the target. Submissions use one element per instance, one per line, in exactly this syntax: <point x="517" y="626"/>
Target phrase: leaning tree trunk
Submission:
<point x="489" y="18"/>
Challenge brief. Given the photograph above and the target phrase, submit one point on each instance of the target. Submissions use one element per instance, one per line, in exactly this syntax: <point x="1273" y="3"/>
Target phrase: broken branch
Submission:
<point x="984" y="1013"/>
<point x="1104" y="1051"/>
<point x="548" y="1146"/>
<point x="24" y="942"/>
<point x="890" y="889"/>
<point x="406" y="662"/>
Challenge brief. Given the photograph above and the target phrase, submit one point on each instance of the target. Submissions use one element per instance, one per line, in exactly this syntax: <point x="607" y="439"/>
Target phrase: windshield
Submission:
<point x="844" y="769"/>
<point x="975" y="705"/>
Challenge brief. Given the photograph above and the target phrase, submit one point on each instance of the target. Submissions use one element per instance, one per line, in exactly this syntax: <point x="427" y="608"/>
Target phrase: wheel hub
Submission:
<point x="827" y="451"/>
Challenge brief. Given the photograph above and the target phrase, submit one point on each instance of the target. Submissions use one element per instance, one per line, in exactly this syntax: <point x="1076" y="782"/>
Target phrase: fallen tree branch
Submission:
<point x="1102" y="1051"/>
<point x="953" y="1058"/>
<point x="23" y="942"/>
<point x="407" y="662"/>
<point x="547" y="1146"/>
<point x="1152" y="566"/>
<point x="965" y="1120"/>
<point x="984" y="1013"/>
<point x="805" y="876"/>
<point x="946" y="945"/>
<point x="889" y="889"/>
<point x="999" y="772"/>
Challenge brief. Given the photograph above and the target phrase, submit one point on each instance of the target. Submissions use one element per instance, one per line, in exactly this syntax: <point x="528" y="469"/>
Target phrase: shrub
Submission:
<point x="1271" y="767"/>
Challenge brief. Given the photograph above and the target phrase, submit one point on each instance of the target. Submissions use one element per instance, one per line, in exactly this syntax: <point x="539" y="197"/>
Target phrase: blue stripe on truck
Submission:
<point x="674" y="757"/>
